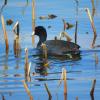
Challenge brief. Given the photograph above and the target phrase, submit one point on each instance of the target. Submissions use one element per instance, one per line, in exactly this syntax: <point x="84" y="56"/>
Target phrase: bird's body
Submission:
<point x="56" y="47"/>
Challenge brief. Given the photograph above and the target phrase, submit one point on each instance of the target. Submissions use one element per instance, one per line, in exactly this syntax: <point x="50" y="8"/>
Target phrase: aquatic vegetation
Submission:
<point x="16" y="46"/>
<point x="65" y="34"/>
<point x="93" y="27"/>
<point x="5" y="34"/>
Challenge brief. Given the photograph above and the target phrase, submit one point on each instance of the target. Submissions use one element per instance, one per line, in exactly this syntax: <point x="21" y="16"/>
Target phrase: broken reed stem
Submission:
<point x="93" y="27"/>
<point x="16" y="41"/>
<point x="16" y="26"/>
<point x="76" y="32"/>
<point x="46" y="87"/>
<point x="33" y="15"/>
<point x="68" y="38"/>
<point x="44" y="50"/>
<point x="93" y="87"/>
<point x="5" y="34"/>
<point x="27" y="90"/>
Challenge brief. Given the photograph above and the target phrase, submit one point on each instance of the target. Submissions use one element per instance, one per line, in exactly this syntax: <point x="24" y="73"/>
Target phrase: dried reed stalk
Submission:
<point x="33" y="15"/>
<point x="44" y="50"/>
<point x="46" y="87"/>
<point x="93" y="27"/>
<point x="27" y="90"/>
<point x="5" y="34"/>
<point x="93" y="87"/>
<point x="33" y="20"/>
<point x="68" y="38"/>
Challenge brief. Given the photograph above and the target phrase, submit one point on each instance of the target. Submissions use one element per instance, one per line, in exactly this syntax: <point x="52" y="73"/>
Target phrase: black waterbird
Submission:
<point x="55" y="47"/>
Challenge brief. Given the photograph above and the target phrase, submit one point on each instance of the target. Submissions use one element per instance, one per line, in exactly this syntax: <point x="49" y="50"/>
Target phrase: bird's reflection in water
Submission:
<point x="42" y="65"/>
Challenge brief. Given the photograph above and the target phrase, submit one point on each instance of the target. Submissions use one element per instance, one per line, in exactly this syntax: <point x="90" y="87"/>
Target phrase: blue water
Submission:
<point x="81" y="71"/>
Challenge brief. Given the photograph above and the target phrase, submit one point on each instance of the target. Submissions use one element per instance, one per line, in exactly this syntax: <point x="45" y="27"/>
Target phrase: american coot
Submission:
<point x="55" y="47"/>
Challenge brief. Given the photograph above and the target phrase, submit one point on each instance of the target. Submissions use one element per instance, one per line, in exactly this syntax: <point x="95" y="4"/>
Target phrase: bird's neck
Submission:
<point x="42" y="39"/>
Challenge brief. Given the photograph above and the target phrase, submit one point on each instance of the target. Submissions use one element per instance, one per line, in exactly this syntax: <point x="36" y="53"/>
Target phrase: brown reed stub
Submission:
<point x="47" y="89"/>
<point x="93" y="27"/>
<point x="65" y="34"/>
<point x="17" y="48"/>
<point x="27" y="90"/>
<point x="5" y="34"/>
<point x="33" y="38"/>
<point x="93" y="87"/>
